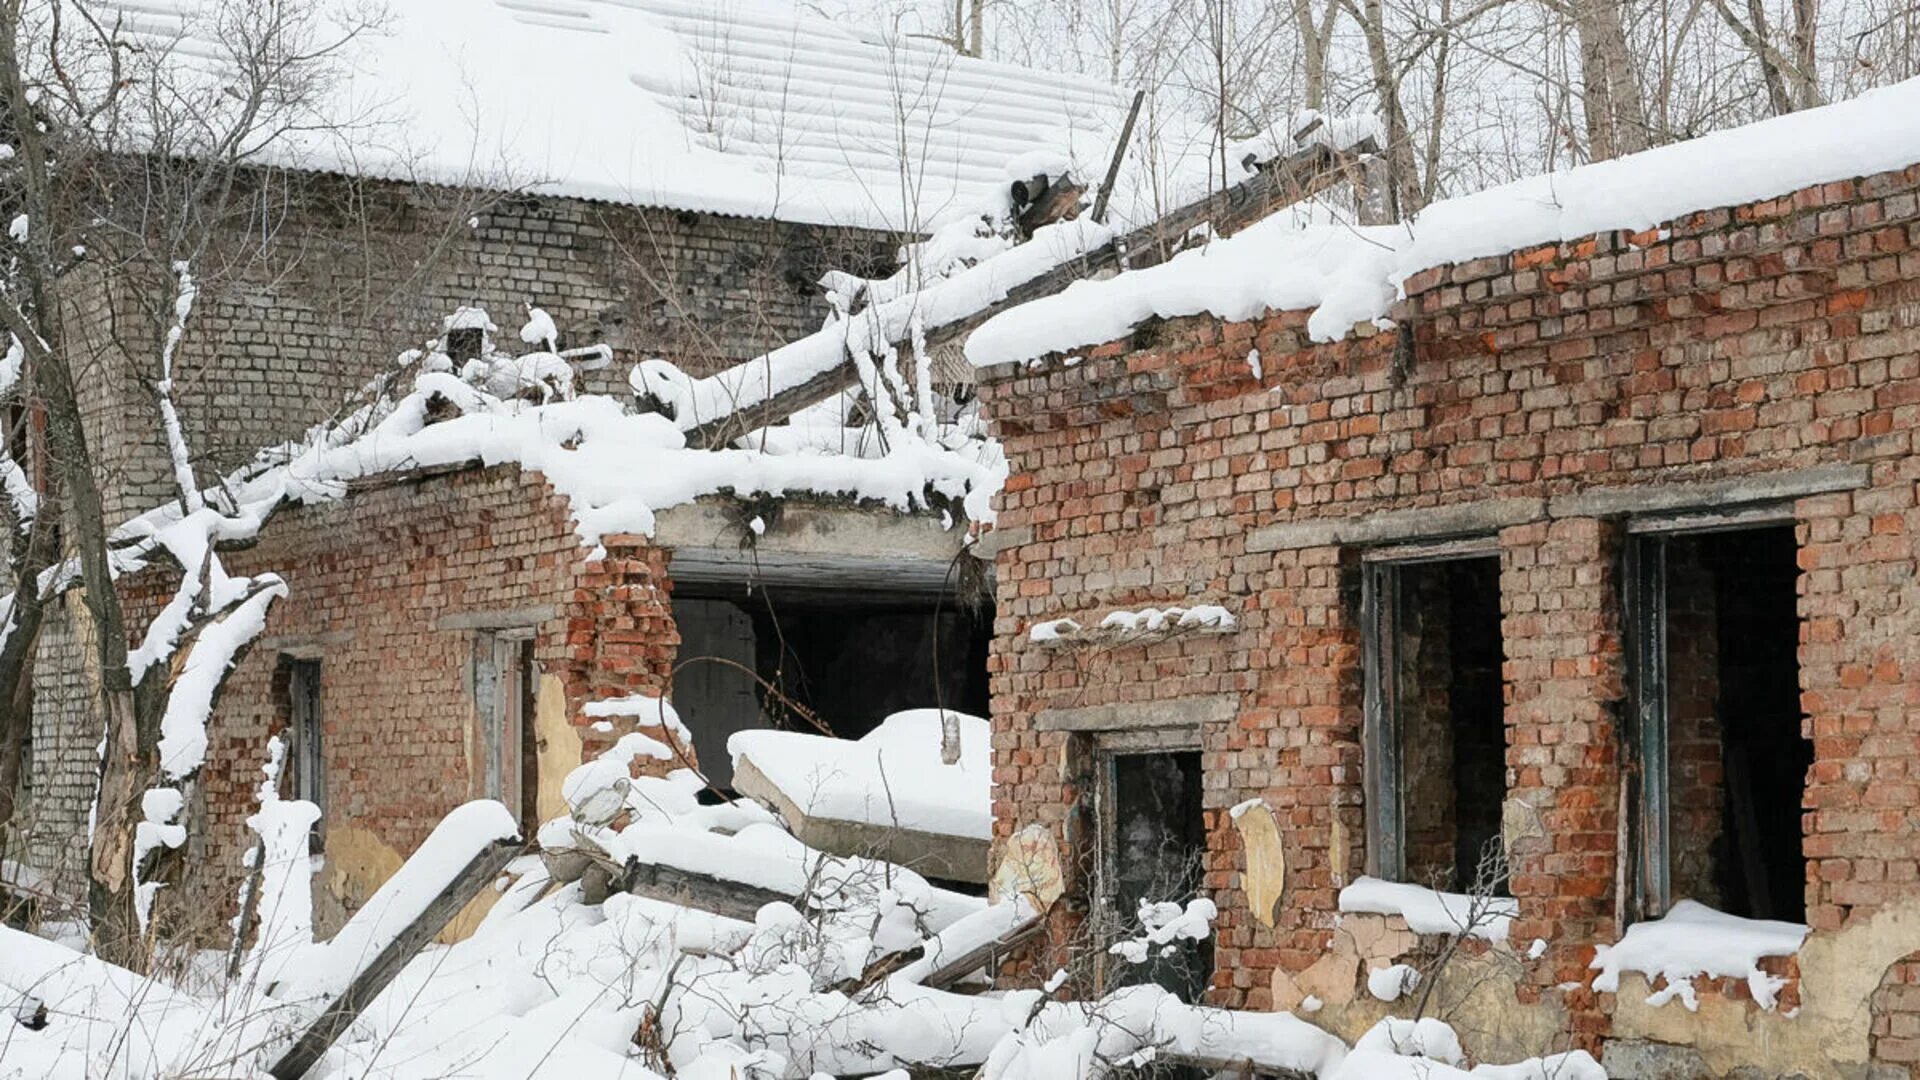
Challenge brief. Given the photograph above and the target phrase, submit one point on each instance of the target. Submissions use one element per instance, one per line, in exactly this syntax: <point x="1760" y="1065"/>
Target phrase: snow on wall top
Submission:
<point x="742" y="107"/>
<point x="1351" y="274"/>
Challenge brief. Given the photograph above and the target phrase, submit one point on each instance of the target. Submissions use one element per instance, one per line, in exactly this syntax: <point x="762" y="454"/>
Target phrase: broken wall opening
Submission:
<point x="772" y="655"/>
<point x="1723" y="756"/>
<point x="1436" y="728"/>
<point x="1153" y="838"/>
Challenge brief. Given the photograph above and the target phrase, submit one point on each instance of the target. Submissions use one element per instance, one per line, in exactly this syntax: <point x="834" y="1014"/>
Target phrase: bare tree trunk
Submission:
<point x="1790" y="80"/>
<point x="1401" y="186"/>
<point x="1806" y="25"/>
<point x="1616" y="117"/>
<point x="1316" y="39"/>
<point x="1437" y="112"/>
<point x="130" y="718"/>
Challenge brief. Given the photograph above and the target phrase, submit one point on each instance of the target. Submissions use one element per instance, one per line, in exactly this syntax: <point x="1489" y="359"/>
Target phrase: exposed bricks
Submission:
<point x="387" y="588"/>
<point x="1776" y="336"/>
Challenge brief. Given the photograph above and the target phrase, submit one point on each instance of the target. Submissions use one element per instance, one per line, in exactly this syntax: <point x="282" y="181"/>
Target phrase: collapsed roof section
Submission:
<point x="980" y="265"/>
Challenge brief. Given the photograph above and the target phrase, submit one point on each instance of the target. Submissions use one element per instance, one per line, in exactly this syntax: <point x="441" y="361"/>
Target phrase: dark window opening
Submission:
<point x="466" y="343"/>
<point x="506" y="679"/>
<point x="1715" y="634"/>
<point x="1155" y="834"/>
<point x="1436" y="724"/>
<point x="778" y="657"/>
<point x="297" y="691"/>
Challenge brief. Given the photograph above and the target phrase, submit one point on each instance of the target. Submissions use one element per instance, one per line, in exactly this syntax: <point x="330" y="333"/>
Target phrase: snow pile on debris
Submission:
<point x="1429" y="911"/>
<point x="972" y="259"/>
<point x="894" y="776"/>
<point x="1428" y="1049"/>
<point x="1349" y="274"/>
<point x="846" y="971"/>
<point x="964" y="268"/>
<point x="617" y="468"/>
<point x="1694" y="940"/>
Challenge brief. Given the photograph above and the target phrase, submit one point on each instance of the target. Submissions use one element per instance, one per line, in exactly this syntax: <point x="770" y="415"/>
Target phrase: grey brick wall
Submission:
<point x="345" y="275"/>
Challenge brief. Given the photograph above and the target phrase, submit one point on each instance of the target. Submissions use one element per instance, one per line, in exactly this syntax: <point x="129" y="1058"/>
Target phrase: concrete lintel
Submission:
<point x="1181" y="712"/>
<point x="1388" y="526"/>
<point x="1660" y="498"/>
<point x="940" y="855"/>
<point x="508" y="619"/>
<point x="998" y="540"/>
<point x="812" y="529"/>
<point x="810" y="545"/>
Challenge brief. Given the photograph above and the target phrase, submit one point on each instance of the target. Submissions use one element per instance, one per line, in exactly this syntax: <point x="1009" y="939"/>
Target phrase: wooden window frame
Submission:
<point x="1383" y="770"/>
<point x="1644" y="626"/>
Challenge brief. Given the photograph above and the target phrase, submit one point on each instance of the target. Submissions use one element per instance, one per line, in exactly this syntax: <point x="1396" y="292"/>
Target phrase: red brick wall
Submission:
<point x="381" y="586"/>
<point x="1780" y="335"/>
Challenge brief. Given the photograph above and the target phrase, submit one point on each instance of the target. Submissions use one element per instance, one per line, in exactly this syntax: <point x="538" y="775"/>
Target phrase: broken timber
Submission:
<point x="1282" y="183"/>
<point x="952" y="971"/>
<point x="312" y="1044"/>
<point x="703" y="892"/>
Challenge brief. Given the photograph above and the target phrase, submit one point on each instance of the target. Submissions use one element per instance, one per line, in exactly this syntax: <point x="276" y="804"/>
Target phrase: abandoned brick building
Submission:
<point x="1598" y="559"/>
<point x="676" y="189"/>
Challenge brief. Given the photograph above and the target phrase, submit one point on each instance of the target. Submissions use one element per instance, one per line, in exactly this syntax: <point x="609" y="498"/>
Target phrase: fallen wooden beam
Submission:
<point x="1214" y="1066"/>
<point x="339" y="1014"/>
<point x="1283" y="183"/>
<point x="704" y="892"/>
<point x="952" y="971"/>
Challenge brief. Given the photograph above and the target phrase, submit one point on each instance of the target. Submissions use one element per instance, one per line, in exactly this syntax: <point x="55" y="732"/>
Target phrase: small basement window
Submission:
<point x="1435" y="731"/>
<point x="1153" y="832"/>
<point x="297" y="689"/>
<point x="1713" y="646"/>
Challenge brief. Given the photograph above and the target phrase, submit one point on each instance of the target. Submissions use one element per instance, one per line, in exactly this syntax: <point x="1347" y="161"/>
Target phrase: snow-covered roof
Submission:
<point x="1349" y="274"/>
<point x="743" y="107"/>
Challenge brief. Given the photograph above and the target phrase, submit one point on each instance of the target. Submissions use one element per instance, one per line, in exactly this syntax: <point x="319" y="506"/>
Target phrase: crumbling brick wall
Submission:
<point x="388" y="589"/>
<point x="1548" y="389"/>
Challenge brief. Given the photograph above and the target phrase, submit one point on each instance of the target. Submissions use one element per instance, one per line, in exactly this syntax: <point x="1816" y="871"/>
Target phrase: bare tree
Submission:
<point x="132" y="159"/>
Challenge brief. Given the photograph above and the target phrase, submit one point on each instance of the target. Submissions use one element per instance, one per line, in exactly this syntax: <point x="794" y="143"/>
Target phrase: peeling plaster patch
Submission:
<point x="1519" y="823"/>
<point x="1030" y="866"/>
<point x="1826" y="1039"/>
<point x="1337" y="854"/>
<point x="557" y="746"/>
<point x="1265" y="878"/>
<point x="357" y="863"/>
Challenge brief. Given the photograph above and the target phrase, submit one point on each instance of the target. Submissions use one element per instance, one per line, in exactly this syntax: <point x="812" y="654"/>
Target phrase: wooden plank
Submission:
<point x="1285" y="182"/>
<point x="686" y="888"/>
<point x="965" y="964"/>
<point x="1246" y="1067"/>
<point x="1119" y="154"/>
<point x="312" y="1044"/>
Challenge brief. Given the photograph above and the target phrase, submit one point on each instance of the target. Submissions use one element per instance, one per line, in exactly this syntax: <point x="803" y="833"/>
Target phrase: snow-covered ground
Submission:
<point x="554" y="985"/>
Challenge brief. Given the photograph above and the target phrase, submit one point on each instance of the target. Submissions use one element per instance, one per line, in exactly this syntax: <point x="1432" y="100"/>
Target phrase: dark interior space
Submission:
<point x="1451" y="718"/>
<point x="1737" y="759"/>
<point x="1154" y="854"/>
<point x="849" y="660"/>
